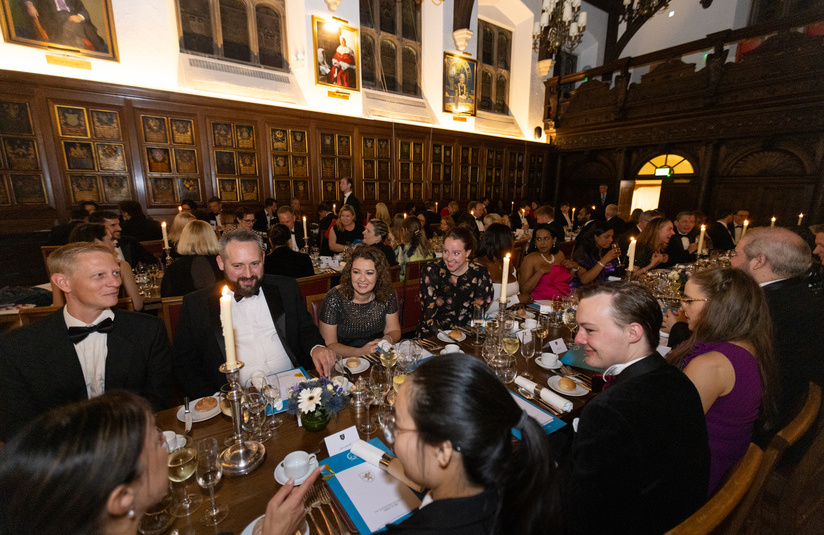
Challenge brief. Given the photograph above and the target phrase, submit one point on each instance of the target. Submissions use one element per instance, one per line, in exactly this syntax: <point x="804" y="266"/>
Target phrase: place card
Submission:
<point x="342" y="441"/>
<point x="557" y="346"/>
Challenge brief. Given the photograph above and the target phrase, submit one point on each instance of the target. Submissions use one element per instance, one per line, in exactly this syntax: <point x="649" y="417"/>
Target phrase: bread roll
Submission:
<point x="565" y="383"/>
<point x="206" y="404"/>
<point x="455" y="334"/>
<point x="353" y="362"/>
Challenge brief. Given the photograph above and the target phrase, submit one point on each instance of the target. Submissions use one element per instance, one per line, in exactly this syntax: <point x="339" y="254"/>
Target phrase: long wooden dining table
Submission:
<point x="247" y="495"/>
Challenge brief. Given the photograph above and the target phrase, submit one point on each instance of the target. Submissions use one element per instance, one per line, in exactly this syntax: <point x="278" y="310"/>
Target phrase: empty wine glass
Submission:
<point x="408" y="354"/>
<point x="208" y="473"/>
<point x="478" y="322"/>
<point x="379" y="382"/>
<point x="366" y="426"/>
<point x="182" y="463"/>
<point x="255" y="403"/>
<point x="270" y="388"/>
<point x="527" y="350"/>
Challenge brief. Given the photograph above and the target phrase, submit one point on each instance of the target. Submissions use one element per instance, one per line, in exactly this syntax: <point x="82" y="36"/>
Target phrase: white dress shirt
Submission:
<point x="256" y="339"/>
<point x="616" y="369"/>
<point x="92" y="352"/>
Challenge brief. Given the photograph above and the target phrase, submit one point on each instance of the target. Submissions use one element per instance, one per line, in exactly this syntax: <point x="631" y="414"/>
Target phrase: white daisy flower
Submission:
<point x="309" y="399"/>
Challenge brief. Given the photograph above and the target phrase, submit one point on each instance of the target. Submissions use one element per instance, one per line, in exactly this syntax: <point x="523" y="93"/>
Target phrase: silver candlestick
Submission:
<point x="244" y="455"/>
<point x="168" y="251"/>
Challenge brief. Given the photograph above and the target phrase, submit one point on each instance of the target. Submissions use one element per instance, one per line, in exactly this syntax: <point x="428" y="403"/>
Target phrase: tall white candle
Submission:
<point x="305" y="234"/>
<point x="179" y="208"/>
<point x="165" y="235"/>
<point x="334" y="208"/>
<point x="228" y="328"/>
<point x="772" y="221"/>
<point x="701" y="239"/>
<point x="504" y="278"/>
<point x="436" y="206"/>
<point x="513" y="206"/>
<point x="800" y="217"/>
<point x="573" y="216"/>
<point x="631" y="254"/>
<point x="744" y="230"/>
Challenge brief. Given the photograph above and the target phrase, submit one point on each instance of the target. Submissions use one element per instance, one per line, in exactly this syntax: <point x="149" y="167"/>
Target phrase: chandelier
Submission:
<point x="641" y="9"/>
<point x="560" y="28"/>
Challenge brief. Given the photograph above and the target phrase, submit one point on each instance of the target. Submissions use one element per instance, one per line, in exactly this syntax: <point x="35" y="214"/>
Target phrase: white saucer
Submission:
<point x="362" y="367"/>
<point x="281" y="478"/>
<point x="444" y="337"/>
<point x="199" y="416"/>
<point x="540" y="362"/>
<point x="579" y="390"/>
<point x="250" y="529"/>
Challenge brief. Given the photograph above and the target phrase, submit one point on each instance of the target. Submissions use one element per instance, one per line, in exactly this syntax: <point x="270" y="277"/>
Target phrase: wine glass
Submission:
<point x="182" y="463"/>
<point x="379" y="382"/>
<point x="528" y="350"/>
<point x="569" y="316"/>
<point x="510" y="343"/>
<point x="478" y="321"/>
<point x="408" y="354"/>
<point x="366" y="426"/>
<point x="255" y="403"/>
<point x="543" y="329"/>
<point x="270" y="388"/>
<point x="389" y="358"/>
<point x="208" y="474"/>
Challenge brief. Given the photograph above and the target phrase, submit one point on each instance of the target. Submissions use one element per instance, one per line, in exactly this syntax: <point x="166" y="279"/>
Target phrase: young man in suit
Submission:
<point x="720" y="233"/>
<point x="683" y="245"/>
<point x="640" y="458"/>
<point x="347" y="188"/>
<point x="273" y="330"/>
<point x="266" y="217"/>
<point x="777" y="259"/>
<point x="287" y="217"/>
<point x="128" y="248"/>
<point x="83" y="349"/>
<point x="282" y="260"/>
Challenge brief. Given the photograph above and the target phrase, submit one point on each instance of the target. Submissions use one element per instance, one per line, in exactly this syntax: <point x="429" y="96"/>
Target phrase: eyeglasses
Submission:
<point x="391" y="429"/>
<point x="249" y="220"/>
<point x="693" y="299"/>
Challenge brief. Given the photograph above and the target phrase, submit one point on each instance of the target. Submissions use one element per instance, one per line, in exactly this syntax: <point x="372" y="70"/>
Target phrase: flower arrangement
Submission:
<point x="317" y="394"/>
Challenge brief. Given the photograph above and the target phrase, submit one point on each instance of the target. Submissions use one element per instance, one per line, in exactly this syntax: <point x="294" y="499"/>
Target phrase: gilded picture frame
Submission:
<point x="39" y="26"/>
<point x="21" y="153"/>
<point x="336" y="54"/>
<point x="111" y="156"/>
<point x="29" y="189"/>
<point x="459" y="83"/>
<point x="72" y="121"/>
<point x="154" y="129"/>
<point x="106" y="125"/>
<point x="116" y="188"/>
<point x="85" y="188"/>
<point x="182" y="131"/>
<point x="189" y="188"/>
<point x="15" y="118"/>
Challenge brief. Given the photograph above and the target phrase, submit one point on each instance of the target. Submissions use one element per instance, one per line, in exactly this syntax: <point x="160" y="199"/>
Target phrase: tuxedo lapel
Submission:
<point x="214" y="317"/>
<point x="652" y="362"/>
<point x="65" y="369"/>
<point x="120" y="353"/>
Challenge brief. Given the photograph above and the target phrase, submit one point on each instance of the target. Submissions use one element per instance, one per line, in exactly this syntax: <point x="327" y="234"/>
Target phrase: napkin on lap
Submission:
<point x="390" y="465"/>
<point x="385" y="345"/>
<point x="554" y="400"/>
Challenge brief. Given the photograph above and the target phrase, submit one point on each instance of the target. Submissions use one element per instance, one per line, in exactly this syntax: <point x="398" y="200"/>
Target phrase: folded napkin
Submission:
<point x="554" y="400"/>
<point x="384" y="345"/>
<point x="384" y="461"/>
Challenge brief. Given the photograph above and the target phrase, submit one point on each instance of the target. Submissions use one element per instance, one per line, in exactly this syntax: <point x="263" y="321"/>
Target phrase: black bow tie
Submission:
<point x="78" y="334"/>
<point x="238" y="297"/>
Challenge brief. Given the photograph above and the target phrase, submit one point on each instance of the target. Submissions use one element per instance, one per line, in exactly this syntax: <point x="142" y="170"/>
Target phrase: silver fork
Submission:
<point x="307" y="506"/>
<point x="325" y="499"/>
<point x="316" y="503"/>
<point x="566" y="370"/>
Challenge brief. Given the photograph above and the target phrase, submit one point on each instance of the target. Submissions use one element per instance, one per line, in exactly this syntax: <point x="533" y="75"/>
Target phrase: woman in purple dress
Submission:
<point x="730" y="361"/>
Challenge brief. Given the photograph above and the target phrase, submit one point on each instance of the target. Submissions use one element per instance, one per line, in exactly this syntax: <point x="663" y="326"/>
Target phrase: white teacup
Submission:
<point x="549" y="359"/>
<point x="296" y="464"/>
<point x="451" y="348"/>
<point x="530" y="324"/>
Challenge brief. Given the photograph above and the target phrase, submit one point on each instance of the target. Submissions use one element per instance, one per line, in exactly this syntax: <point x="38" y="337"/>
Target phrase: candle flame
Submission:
<point x="304" y="218"/>
<point x="508" y="255"/>
<point x="225" y="291"/>
<point x="705" y="228"/>
<point x="632" y="240"/>
<point x="179" y="208"/>
<point x="800" y="215"/>
<point x="773" y="218"/>
<point x="746" y="222"/>
<point x="163" y="224"/>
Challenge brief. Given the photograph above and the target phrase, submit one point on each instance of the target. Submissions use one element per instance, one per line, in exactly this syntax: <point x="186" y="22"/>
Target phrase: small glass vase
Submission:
<point x="316" y="420"/>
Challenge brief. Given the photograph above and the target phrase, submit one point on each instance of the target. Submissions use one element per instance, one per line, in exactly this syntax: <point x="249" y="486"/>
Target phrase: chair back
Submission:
<point x="45" y="252"/>
<point x="155" y="247"/>
<point x="413" y="269"/>
<point x="316" y="284"/>
<point x="566" y="248"/>
<point x="395" y="273"/>
<point x="170" y="312"/>
<point x="26" y="316"/>
<point x="412" y="309"/>
<point x="779" y="444"/>
<point x="723" y="502"/>
<point x="314" y="303"/>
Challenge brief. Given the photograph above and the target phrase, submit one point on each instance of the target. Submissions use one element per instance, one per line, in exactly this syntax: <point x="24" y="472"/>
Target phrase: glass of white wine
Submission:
<point x="182" y="464"/>
<point x="208" y="473"/>
<point x="478" y="321"/>
<point x="366" y="426"/>
<point x="543" y="330"/>
<point x="510" y="344"/>
<point x="389" y="358"/>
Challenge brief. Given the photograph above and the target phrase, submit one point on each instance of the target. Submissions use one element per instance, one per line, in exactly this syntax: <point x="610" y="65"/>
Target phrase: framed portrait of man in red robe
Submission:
<point x="337" y="58"/>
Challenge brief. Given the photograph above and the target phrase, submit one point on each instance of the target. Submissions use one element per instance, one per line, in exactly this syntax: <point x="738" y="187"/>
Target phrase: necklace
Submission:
<point x="547" y="261"/>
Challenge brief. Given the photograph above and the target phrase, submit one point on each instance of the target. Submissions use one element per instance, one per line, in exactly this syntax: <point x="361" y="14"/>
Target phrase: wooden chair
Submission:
<point x="413" y="269"/>
<point x="785" y="438"/>
<point x="723" y="502"/>
<point x="566" y="248"/>
<point x="26" y="316"/>
<point x="45" y="252"/>
<point x="170" y="313"/>
<point x="316" y="284"/>
<point x="313" y="305"/>
<point x="395" y="273"/>
<point x="398" y="287"/>
<point x="155" y="247"/>
<point x="412" y="310"/>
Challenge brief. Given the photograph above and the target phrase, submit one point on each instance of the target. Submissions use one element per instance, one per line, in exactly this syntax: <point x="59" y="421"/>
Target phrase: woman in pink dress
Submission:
<point x="544" y="273"/>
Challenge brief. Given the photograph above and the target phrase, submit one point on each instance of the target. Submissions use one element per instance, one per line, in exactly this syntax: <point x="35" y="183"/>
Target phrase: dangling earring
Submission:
<point x="130" y="514"/>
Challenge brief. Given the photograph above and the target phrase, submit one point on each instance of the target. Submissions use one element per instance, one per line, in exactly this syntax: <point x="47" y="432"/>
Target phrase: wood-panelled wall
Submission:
<point x="65" y="141"/>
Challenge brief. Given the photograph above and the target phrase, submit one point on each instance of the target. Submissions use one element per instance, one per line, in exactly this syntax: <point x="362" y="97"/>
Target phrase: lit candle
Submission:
<point x="165" y="235"/>
<point x="334" y="208"/>
<point x="305" y="234"/>
<point x="631" y="254"/>
<point x="744" y="230"/>
<point x="573" y="216"/>
<point x="513" y="206"/>
<point x="593" y="207"/>
<point x="404" y="215"/>
<point x="179" y="208"/>
<point x="473" y="214"/>
<point x="228" y="328"/>
<point x="436" y="206"/>
<point x="772" y="222"/>
<point x="504" y="277"/>
<point x="701" y="239"/>
<point x="800" y="217"/>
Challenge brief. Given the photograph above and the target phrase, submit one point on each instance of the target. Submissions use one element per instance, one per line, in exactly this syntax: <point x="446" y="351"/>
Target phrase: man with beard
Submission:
<point x="273" y="330"/>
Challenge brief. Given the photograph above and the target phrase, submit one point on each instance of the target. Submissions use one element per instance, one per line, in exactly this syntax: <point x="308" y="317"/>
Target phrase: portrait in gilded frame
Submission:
<point x="336" y="54"/>
<point x="459" y="84"/>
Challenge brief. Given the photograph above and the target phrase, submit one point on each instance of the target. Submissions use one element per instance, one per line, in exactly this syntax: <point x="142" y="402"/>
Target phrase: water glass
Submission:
<point x="504" y="366"/>
<point x="255" y="403"/>
<point x="209" y="472"/>
<point x="478" y="322"/>
<point x="270" y="388"/>
<point x="528" y="350"/>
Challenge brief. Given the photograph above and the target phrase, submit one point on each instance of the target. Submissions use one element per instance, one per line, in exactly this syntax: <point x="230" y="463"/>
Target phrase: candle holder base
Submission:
<point x="242" y="457"/>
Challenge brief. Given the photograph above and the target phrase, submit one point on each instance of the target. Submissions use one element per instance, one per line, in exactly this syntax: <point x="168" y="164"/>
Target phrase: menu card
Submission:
<point x="546" y="420"/>
<point x="371" y="497"/>
<point x="287" y="380"/>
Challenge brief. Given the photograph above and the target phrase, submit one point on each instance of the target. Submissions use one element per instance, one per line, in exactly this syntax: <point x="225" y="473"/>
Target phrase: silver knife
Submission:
<point x="187" y="416"/>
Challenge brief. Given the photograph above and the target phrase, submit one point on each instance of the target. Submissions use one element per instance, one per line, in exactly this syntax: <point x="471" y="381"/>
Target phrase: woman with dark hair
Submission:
<point x="730" y="360"/>
<point x="651" y="243"/>
<point x="196" y="267"/>
<point x="593" y="255"/>
<point x="496" y="241"/>
<point x="414" y="246"/>
<point x="451" y="287"/>
<point x="376" y="234"/>
<point x="363" y="309"/>
<point x="396" y="230"/>
<point x="95" y="467"/>
<point x="452" y="434"/>
<point x="98" y="233"/>
<point x="346" y="231"/>
<point x="544" y="273"/>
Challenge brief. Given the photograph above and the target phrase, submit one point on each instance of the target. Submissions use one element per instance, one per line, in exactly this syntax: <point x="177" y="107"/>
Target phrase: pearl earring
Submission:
<point x="130" y="514"/>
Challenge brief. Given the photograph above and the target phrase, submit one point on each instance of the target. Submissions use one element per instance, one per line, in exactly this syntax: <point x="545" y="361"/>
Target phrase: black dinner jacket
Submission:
<point x="354" y="203"/>
<point x="134" y="252"/>
<point x="640" y="459"/>
<point x="284" y="261"/>
<point x="41" y="370"/>
<point x="260" y="221"/>
<point x="199" y="350"/>
<point x="675" y="249"/>
<point x="474" y="515"/>
<point x="798" y="341"/>
<point x="721" y="236"/>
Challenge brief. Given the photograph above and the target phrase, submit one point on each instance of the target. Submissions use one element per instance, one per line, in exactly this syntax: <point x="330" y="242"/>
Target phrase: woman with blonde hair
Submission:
<point x="382" y="213"/>
<point x="396" y="230"/>
<point x="414" y="247"/>
<point x="181" y="220"/>
<point x="196" y="267"/>
<point x="346" y="231"/>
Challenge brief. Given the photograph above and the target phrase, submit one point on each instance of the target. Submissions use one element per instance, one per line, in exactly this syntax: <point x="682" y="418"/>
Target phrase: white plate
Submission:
<point x="250" y="529"/>
<point x="362" y="367"/>
<point x="540" y="362"/>
<point x="444" y="337"/>
<point x="199" y="416"/>
<point x="553" y="384"/>
<point x="281" y="478"/>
